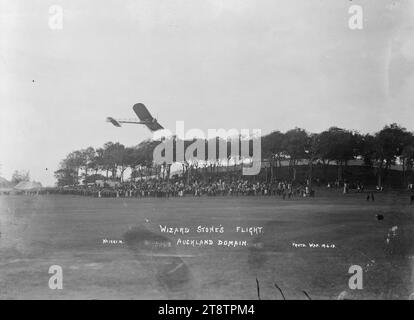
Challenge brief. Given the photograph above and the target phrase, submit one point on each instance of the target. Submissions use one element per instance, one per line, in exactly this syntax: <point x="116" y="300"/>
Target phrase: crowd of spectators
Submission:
<point x="213" y="185"/>
<point x="229" y="185"/>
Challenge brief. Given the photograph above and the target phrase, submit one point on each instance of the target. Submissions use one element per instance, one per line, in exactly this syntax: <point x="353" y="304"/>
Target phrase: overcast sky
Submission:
<point x="263" y="64"/>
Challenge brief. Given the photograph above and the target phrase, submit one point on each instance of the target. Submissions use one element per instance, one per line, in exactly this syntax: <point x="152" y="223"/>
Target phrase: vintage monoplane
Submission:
<point x="144" y="117"/>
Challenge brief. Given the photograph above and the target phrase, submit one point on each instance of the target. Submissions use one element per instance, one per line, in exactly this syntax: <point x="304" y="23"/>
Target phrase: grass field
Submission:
<point x="40" y="231"/>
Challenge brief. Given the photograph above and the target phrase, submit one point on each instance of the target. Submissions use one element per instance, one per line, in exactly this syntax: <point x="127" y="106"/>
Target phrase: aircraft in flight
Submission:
<point x="144" y="117"/>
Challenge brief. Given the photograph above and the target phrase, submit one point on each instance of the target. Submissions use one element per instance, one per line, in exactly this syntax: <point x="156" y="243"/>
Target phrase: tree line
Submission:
<point x="391" y="145"/>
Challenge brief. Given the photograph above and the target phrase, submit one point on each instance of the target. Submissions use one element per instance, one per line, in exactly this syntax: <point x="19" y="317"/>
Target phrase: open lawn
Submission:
<point x="138" y="263"/>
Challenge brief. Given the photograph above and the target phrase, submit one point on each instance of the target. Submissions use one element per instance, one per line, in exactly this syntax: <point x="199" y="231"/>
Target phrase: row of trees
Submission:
<point x="385" y="148"/>
<point x="393" y="144"/>
<point x="112" y="158"/>
<point x="19" y="176"/>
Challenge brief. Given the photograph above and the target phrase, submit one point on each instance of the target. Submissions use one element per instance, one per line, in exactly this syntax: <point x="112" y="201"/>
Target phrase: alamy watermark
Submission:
<point x="245" y="147"/>
<point x="55" y="17"/>
<point x="355" y="281"/>
<point x="56" y="280"/>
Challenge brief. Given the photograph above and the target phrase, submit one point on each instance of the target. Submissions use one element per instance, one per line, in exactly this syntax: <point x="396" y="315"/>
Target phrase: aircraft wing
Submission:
<point x="142" y="112"/>
<point x="154" y="126"/>
<point x="146" y="118"/>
